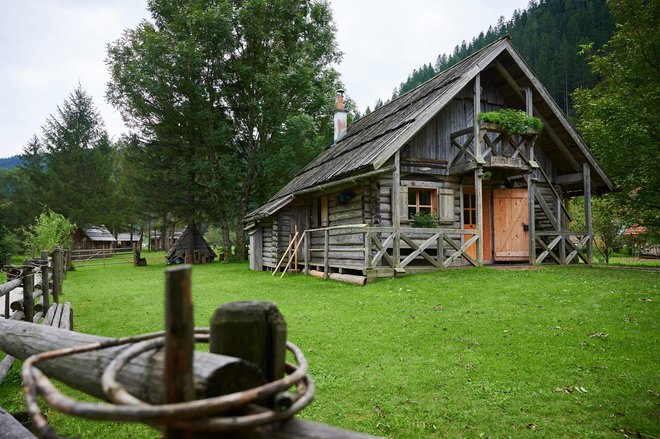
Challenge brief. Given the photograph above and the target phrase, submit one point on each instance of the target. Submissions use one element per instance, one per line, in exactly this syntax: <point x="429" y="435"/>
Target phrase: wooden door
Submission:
<point x="470" y="222"/>
<point x="511" y="225"/>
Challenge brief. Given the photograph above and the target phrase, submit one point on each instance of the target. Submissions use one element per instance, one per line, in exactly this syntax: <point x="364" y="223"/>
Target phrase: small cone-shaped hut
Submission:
<point x="190" y="248"/>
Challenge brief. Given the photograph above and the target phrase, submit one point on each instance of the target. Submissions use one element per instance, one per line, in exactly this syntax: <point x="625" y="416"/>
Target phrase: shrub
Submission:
<point x="425" y="220"/>
<point x="50" y="230"/>
<point x="513" y="121"/>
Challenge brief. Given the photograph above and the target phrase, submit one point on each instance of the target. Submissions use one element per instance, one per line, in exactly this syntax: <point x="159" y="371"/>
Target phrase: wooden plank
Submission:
<point x="326" y="253"/>
<point x="45" y="280"/>
<point x="460" y="251"/>
<point x="66" y="318"/>
<point x="57" y="274"/>
<point x="547" y="249"/>
<point x="476" y="109"/>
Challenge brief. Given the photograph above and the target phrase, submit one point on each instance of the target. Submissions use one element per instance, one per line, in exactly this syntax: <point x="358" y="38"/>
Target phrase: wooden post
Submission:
<point x="476" y="105"/>
<point x="326" y="254"/>
<point x="561" y="227"/>
<point x="441" y="250"/>
<point x="367" y="250"/>
<point x="57" y="274"/>
<point x="586" y="175"/>
<point x="396" y="210"/>
<point x="307" y="252"/>
<point x="252" y="331"/>
<point x="7" y="301"/>
<point x="531" y="219"/>
<point x="7" y="258"/>
<point x="179" y="340"/>
<point x="479" y="208"/>
<point x="295" y="249"/>
<point x="45" y="280"/>
<point x="28" y="299"/>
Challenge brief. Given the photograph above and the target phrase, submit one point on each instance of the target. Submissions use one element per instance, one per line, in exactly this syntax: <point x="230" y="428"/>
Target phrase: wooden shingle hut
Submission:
<point x="190" y="248"/>
<point x="93" y="237"/>
<point x="484" y="195"/>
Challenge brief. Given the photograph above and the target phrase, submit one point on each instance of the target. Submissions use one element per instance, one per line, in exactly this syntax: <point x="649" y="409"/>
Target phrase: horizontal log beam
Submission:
<point x="142" y="377"/>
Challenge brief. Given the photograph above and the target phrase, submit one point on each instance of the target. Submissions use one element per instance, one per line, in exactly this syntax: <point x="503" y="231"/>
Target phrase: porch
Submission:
<point x="386" y="251"/>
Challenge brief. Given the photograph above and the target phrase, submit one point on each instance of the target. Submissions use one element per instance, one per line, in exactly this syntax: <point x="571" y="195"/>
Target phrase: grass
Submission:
<point x="554" y="352"/>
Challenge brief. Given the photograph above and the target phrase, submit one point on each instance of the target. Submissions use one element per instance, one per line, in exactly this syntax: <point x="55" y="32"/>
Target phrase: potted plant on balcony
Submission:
<point x="511" y="121"/>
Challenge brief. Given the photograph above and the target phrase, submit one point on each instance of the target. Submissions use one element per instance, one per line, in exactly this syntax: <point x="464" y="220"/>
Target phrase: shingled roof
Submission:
<point x="373" y="139"/>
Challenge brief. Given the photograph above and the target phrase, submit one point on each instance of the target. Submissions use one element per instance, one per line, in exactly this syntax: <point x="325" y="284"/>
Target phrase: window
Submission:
<point x="421" y="201"/>
<point x="469" y="211"/>
<point x="322" y="212"/>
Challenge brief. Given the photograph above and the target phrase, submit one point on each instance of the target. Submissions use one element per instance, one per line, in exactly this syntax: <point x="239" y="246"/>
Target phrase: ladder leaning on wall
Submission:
<point x="292" y="252"/>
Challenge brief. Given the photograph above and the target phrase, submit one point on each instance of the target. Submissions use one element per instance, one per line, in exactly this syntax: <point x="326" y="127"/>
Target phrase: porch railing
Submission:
<point x="365" y="248"/>
<point x="556" y="243"/>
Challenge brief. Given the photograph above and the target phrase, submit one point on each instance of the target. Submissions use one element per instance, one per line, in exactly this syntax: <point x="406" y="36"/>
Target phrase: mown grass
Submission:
<point x="553" y="352"/>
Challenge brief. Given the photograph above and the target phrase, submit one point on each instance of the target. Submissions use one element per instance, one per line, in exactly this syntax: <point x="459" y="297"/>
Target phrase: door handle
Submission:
<point x="525" y="227"/>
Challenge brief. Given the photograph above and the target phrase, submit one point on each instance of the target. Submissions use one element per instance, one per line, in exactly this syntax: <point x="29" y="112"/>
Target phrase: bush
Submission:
<point x="425" y="220"/>
<point x="49" y="231"/>
<point x="513" y="121"/>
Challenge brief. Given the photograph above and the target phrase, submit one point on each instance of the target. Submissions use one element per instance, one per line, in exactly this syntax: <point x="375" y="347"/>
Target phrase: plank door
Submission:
<point x="510" y="219"/>
<point x="470" y="222"/>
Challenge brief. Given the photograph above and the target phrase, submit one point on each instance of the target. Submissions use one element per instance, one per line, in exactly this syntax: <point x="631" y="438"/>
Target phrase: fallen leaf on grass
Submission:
<point x="646" y="299"/>
<point x="438" y="307"/>
<point x="653" y="393"/>
<point x="599" y="335"/>
<point x="570" y="389"/>
<point x="380" y="411"/>
<point x="532" y="426"/>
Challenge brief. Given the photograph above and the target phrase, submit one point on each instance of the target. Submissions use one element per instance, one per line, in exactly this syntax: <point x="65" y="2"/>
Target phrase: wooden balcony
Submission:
<point x="496" y="150"/>
<point x="385" y="251"/>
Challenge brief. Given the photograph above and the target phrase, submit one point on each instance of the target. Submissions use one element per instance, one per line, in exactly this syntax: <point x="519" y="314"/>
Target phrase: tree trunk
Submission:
<point x="242" y="210"/>
<point x="163" y="235"/>
<point x="226" y="240"/>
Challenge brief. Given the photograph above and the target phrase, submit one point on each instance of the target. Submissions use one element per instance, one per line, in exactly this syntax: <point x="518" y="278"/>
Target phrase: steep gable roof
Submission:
<point x="98" y="233"/>
<point x="372" y="140"/>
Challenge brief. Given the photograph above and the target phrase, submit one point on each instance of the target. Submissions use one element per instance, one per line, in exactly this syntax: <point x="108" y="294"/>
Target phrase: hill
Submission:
<point x="548" y="35"/>
<point x="10" y="162"/>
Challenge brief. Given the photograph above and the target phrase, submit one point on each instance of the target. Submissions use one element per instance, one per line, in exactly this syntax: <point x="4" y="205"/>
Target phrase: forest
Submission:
<point x="224" y="110"/>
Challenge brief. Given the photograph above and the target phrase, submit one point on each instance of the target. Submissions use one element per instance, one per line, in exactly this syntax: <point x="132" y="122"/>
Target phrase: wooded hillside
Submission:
<point x="548" y="35"/>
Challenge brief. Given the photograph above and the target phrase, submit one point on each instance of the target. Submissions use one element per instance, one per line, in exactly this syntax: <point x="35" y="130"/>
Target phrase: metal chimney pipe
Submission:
<point x="341" y="116"/>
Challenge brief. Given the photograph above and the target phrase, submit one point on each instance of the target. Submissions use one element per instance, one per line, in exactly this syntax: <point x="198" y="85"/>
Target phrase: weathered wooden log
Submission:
<point x="348" y="278"/>
<point x="143" y="376"/>
<point x="6" y="362"/>
<point x="66" y="319"/>
<point x="10" y="428"/>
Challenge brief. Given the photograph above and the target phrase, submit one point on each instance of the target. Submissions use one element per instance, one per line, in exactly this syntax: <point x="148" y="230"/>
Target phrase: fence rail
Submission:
<point x="105" y="256"/>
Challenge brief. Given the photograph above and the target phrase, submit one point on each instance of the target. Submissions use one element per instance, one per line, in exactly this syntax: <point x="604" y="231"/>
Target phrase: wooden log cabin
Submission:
<point x="495" y="198"/>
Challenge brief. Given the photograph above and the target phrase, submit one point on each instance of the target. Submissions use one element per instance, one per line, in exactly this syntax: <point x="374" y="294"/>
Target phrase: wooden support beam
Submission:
<point x="476" y="105"/>
<point x="326" y="253"/>
<point x="396" y="210"/>
<point x="478" y="201"/>
<point x="531" y="219"/>
<point x="569" y="178"/>
<point x="586" y="171"/>
<point x="560" y="223"/>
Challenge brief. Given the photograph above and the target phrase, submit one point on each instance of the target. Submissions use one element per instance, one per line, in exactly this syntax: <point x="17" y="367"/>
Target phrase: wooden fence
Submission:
<point x="102" y="256"/>
<point x="27" y="294"/>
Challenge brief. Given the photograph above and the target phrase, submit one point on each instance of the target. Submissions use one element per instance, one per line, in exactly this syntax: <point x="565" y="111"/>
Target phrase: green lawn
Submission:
<point x="553" y="352"/>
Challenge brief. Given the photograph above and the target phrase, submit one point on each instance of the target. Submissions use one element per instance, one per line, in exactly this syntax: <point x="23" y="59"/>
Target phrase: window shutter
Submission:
<point x="403" y="204"/>
<point x="445" y="205"/>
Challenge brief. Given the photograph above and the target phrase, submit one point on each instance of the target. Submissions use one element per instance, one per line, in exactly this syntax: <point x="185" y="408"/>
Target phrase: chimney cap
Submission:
<point x="341" y="91"/>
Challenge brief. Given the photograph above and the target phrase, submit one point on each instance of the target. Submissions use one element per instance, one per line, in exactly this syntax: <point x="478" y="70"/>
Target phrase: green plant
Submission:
<point x="513" y="121"/>
<point x="50" y="230"/>
<point x="425" y="220"/>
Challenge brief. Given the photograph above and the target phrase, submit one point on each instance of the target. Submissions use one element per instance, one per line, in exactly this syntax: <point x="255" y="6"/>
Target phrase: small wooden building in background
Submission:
<point x="93" y="237"/>
<point x="190" y="248"/>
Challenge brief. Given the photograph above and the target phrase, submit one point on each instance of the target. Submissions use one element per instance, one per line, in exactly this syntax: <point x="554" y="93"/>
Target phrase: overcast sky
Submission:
<point x="47" y="47"/>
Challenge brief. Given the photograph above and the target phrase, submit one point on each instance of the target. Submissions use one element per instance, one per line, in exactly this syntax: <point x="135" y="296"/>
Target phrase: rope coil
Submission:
<point x="198" y="415"/>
